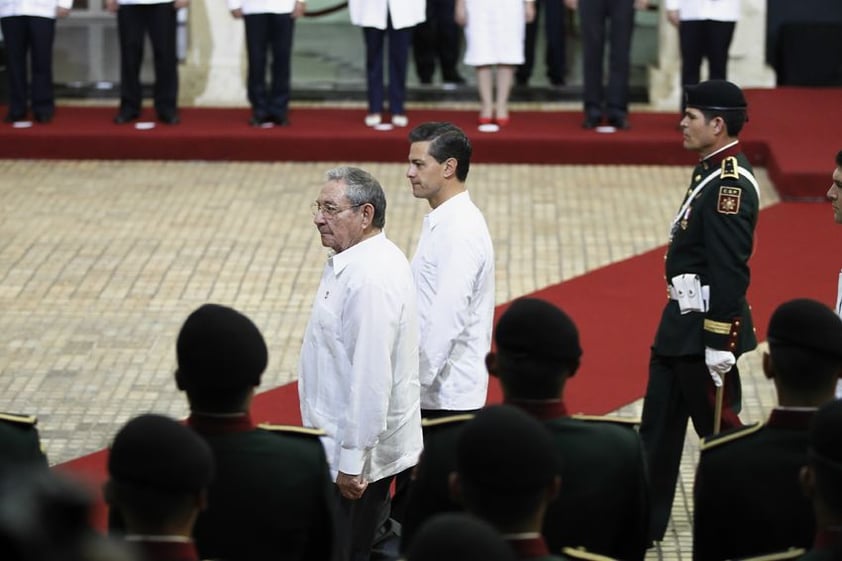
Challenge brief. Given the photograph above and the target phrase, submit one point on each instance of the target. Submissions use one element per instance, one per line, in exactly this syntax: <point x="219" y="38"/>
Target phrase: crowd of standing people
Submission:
<point x="392" y="380"/>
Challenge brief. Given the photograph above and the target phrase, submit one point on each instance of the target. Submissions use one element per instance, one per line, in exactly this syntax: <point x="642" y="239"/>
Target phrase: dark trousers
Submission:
<point x="269" y="33"/>
<point x="357" y="522"/>
<point x="29" y="37"/>
<point x="398" y="57"/>
<point x="679" y="388"/>
<point x="437" y="38"/>
<point x="704" y="39"/>
<point x="614" y="20"/>
<point x="556" y="51"/>
<point x="134" y="21"/>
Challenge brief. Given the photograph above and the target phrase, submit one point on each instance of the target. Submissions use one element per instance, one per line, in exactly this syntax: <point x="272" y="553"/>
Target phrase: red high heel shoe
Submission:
<point x="502" y="121"/>
<point x="484" y="120"/>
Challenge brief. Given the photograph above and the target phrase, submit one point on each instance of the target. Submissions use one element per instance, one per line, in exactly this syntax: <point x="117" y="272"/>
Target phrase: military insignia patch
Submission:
<point x="729" y="200"/>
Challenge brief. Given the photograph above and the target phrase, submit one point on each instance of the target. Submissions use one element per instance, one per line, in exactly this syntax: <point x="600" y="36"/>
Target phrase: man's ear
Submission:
<point x="491" y="363"/>
<point x="449" y="168"/>
<point x="454" y="483"/>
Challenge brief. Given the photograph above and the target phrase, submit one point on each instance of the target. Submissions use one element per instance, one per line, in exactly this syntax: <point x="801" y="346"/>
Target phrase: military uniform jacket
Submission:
<point x="603" y="504"/>
<point x="712" y="236"/>
<point x="19" y="441"/>
<point x="271" y="494"/>
<point x="748" y="500"/>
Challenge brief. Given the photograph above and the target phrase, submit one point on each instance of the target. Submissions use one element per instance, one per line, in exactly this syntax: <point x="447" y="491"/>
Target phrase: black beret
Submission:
<point x="159" y="453"/>
<point x="807" y="324"/>
<point x="219" y="348"/>
<point x="537" y="329"/>
<point x="826" y="435"/>
<point x="716" y="95"/>
<point x="456" y="536"/>
<point x="506" y="451"/>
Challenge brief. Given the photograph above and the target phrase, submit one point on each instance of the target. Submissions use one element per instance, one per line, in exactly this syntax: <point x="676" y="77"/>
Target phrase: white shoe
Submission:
<point x="400" y="120"/>
<point x="373" y="119"/>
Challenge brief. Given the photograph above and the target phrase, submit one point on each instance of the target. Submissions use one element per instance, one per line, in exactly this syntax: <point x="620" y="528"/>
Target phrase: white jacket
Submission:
<point x="262" y="6"/>
<point x="40" y="8"/>
<point x="717" y="10"/>
<point x="372" y="13"/>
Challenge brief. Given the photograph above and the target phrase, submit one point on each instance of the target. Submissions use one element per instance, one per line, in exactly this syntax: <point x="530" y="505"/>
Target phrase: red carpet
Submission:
<point x="789" y="132"/>
<point x="617" y="309"/>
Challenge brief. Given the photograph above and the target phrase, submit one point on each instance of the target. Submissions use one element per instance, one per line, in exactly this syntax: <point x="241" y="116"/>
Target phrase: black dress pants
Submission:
<point x="437" y="38"/>
<point x="704" y="39"/>
<point x="269" y="34"/>
<point x="29" y="37"/>
<point x="134" y="22"/>
<point x="556" y="52"/>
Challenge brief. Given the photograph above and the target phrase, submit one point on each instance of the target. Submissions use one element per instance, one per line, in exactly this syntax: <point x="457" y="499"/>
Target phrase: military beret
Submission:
<point x="806" y="324"/>
<point x="159" y="453"/>
<point x="219" y="348"/>
<point x="826" y="435"/>
<point x="456" y="536"/>
<point x="717" y="95"/>
<point x="506" y="451"/>
<point x="537" y="329"/>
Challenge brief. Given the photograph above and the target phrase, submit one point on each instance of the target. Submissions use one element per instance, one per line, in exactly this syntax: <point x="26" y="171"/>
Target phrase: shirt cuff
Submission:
<point x="351" y="461"/>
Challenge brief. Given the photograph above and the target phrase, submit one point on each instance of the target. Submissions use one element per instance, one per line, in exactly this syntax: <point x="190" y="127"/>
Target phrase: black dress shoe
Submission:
<point x="123" y="118"/>
<point x="591" y="122"/>
<point x="43" y="118"/>
<point x="619" y="123"/>
<point x="279" y="120"/>
<point x="453" y="78"/>
<point x="169" y="118"/>
<point x="13" y="118"/>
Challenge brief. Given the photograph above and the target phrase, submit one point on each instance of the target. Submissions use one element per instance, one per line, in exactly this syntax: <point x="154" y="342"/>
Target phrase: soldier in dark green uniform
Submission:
<point x="602" y="505"/>
<point x="271" y="497"/>
<point x="753" y="470"/>
<point x="706" y="323"/>
<point x="456" y="536"/>
<point x="19" y="442"/>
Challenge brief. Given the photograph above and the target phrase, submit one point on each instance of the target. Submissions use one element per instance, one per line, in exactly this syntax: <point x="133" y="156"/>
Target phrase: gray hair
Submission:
<point x="361" y="188"/>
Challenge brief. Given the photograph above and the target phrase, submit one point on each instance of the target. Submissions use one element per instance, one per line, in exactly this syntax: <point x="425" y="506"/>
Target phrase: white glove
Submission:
<point x="719" y="363"/>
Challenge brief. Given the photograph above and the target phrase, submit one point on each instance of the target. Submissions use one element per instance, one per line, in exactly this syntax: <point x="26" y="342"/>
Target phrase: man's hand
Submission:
<point x="719" y="363"/>
<point x="673" y="16"/>
<point x="351" y="486"/>
<point x="111" y="6"/>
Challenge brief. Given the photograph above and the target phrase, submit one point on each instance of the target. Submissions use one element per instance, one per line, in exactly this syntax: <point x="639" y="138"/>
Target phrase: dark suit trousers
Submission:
<point x="614" y="20"/>
<point x="704" y="39"/>
<point x="357" y="521"/>
<point x="556" y="52"/>
<point x="398" y="57"/>
<point x="32" y="37"/>
<point x="437" y="38"/>
<point x="679" y="388"/>
<point x="269" y="33"/>
<point x="134" y="21"/>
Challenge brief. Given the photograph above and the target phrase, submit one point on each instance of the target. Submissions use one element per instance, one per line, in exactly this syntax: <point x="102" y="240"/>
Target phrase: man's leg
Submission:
<point x="358" y="521"/>
<point x="662" y="431"/>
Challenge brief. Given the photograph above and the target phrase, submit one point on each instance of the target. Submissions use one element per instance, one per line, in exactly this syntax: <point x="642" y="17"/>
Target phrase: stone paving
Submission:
<point x="101" y="261"/>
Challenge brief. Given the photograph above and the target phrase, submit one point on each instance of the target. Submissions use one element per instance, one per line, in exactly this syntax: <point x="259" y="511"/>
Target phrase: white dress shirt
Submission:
<point x="37" y="8"/>
<point x="358" y="372"/>
<point x="453" y="269"/>
<point x="372" y="13"/>
<point x="717" y="10"/>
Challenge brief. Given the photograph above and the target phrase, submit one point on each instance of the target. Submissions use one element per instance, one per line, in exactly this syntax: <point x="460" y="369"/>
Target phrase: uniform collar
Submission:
<point x="713" y="161"/>
<point x="528" y="546"/>
<point x="791" y="418"/>
<point x="541" y="409"/>
<point x="213" y="424"/>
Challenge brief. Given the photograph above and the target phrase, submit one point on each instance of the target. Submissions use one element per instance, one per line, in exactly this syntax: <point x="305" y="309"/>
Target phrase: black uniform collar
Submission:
<point x="213" y="424"/>
<point x="713" y="161"/>
<point x="528" y="547"/>
<point x="541" y="409"/>
<point x="785" y="418"/>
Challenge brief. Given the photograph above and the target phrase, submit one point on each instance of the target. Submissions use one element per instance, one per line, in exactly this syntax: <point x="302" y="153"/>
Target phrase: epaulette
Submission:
<point x="292" y="429"/>
<point x="791" y="553"/>
<point x="730" y="168"/>
<point x="29" y="420"/>
<point x="582" y="553"/>
<point x="625" y="421"/>
<point x="461" y="418"/>
<point x="716" y="440"/>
